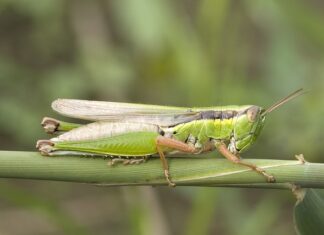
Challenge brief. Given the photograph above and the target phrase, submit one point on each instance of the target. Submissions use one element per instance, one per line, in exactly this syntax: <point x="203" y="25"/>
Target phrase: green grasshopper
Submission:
<point x="132" y="132"/>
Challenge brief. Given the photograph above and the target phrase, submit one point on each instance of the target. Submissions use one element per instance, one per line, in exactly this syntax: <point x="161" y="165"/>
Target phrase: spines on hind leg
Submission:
<point x="127" y="160"/>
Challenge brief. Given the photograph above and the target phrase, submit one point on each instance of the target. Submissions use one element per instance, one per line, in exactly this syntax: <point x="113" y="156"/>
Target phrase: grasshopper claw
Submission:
<point x="271" y="178"/>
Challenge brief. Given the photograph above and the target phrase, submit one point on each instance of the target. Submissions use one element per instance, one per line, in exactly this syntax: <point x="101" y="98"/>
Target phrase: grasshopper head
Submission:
<point x="250" y="122"/>
<point x="248" y="126"/>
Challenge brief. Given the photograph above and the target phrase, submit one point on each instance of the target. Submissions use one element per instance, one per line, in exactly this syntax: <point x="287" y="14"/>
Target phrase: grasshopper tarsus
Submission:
<point x="167" y="176"/>
<point x="270" y="178"/>
<point x="126" y="161"/>
<point x="114" y="161"/>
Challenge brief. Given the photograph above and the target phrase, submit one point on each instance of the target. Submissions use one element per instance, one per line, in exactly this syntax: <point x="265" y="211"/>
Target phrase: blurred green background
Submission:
<point x="186" y="53"/>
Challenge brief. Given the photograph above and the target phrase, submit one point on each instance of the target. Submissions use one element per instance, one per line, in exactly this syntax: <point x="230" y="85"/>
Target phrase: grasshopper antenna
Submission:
<point x="284" y="100"/>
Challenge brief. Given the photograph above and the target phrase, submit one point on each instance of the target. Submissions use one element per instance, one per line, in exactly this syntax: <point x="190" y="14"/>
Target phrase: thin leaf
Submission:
<point x="309" y="212"/>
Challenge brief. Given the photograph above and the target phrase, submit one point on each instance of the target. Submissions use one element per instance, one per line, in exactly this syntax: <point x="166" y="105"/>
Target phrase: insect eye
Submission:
<point x="252" y="113"/>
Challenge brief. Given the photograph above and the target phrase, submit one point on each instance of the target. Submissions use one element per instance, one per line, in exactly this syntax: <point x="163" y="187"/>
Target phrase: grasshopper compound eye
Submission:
<point x="252" y="113"/>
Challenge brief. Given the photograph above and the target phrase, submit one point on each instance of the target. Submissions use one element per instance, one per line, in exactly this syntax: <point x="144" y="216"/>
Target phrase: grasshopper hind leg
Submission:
<point x="141" y="143"/>
<point x="47" y="148"/>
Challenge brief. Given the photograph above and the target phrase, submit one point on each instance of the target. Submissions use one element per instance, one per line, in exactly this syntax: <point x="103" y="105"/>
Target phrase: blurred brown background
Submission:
<point x="188" y="53"/>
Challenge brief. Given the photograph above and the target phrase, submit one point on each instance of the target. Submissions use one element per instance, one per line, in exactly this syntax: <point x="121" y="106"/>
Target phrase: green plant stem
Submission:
<point x="189" y="171"/>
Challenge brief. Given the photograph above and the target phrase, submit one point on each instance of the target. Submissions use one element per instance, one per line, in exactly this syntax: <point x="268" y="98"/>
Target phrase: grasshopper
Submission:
<point x="131" y="133"/>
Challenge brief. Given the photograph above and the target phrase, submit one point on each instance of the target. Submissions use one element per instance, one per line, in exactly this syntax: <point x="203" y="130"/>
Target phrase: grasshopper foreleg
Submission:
<point x="222" y="148"/>
<point x="162" y="141"/>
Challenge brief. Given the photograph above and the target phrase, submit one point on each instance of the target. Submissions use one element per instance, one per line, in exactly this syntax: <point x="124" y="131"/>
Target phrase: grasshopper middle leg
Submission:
<point x="162" y="141"/>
